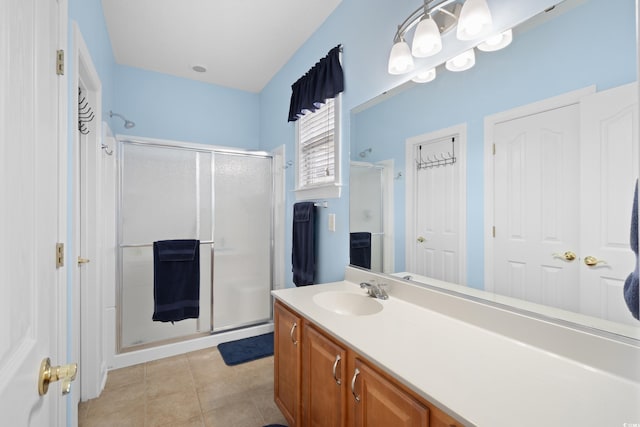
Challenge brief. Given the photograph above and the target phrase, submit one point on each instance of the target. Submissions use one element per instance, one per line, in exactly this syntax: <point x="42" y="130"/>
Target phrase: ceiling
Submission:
<point x="241" y="43"/>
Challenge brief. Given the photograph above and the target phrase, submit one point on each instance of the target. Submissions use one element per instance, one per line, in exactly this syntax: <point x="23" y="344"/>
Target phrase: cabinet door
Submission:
<point x="324" y="388"/>
<point x="438" y="418"/>
<point x="380" y="403"/>
<point x="287" y="363"/>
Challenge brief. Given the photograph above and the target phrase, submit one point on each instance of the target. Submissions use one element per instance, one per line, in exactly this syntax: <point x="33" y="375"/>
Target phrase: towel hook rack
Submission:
<point x="85" y="113"/>
<point x="436" y="159"/>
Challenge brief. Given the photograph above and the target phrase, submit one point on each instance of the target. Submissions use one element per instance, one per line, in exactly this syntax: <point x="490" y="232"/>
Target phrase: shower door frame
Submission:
<point x="188" y="146"/>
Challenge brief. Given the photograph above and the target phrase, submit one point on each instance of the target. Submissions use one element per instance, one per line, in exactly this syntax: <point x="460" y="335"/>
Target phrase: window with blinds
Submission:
<point x="317" y="136"/>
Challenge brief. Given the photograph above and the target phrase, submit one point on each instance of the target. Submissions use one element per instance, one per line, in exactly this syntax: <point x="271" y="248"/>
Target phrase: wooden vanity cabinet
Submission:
<point x="378" y="402"/>
<point x="287" y="351"/>
<point x="324" y="380"/>
<point x="320" y="382"/>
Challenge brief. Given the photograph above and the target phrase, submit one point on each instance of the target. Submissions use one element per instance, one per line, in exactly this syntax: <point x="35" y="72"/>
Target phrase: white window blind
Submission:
<point x="316" y="145"/>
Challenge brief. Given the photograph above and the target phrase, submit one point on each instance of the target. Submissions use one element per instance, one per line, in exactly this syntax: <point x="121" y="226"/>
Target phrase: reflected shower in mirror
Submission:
<point x="537" y="105"/>
<point x="371" y="243"/>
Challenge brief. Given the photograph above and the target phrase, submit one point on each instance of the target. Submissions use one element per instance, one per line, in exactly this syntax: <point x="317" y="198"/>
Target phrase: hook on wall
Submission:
<point x="85" y="113"/>
<point x="288" y="165"/>
<point x="106" y="149"/>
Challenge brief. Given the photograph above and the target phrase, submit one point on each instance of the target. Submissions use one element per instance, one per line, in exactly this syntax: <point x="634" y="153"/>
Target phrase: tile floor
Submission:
<point x="192" y="390"/>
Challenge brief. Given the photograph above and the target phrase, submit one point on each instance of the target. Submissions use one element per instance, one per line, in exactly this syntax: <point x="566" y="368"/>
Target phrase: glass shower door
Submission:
<point x="242" y="280"/>
<point x="165" y="193"/>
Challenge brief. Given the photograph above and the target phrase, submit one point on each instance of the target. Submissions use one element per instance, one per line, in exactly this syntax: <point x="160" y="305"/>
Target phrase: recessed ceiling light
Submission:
<point x="199" y="68"/>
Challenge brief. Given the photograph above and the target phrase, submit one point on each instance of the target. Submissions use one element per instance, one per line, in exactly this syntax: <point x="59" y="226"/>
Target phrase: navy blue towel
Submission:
<point x="360" y="249"/>
<point x="176" y="280"/>
<point x="632" y="283"/>
<point x="303" y="256"/>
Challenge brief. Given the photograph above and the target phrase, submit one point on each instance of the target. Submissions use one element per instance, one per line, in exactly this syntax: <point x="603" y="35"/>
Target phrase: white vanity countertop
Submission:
<point x="484" y="378"/>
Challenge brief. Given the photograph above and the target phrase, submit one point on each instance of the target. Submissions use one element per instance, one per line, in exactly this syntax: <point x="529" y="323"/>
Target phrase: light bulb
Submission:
<point x="497" y="42"/>
<point x="474" y="21"/>
<point x="462" y="62"/>
<point x="426" y="40"/>
<point x="400" y="59"/>
<point x="425" y="76"/>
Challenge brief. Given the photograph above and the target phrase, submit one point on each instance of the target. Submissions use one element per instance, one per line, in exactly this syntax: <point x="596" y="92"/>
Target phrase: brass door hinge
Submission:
<point x="59" y="255"/>
<point x="494" y="231"/>
<point x="60" y="62"/>
<point x="494" y="149"/>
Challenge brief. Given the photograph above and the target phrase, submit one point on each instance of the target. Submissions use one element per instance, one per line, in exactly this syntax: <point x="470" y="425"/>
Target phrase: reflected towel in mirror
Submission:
<point x="360" y="249"/>
<point x="632" y="283"/>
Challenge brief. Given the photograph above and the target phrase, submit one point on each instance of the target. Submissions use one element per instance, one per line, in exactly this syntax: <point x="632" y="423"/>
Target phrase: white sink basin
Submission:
<point x="347" y="303"/>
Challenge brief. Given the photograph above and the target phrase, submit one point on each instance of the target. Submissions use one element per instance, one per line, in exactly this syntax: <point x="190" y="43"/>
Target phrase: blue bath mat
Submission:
<point x="246" y="349"/>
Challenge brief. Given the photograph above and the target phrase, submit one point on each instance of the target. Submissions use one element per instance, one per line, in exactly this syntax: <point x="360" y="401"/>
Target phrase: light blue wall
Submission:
<point x="366" y="34"/>
<point x="175" y="108"/>
<point x="90" y="19"/>
<point x="575" y="50"/>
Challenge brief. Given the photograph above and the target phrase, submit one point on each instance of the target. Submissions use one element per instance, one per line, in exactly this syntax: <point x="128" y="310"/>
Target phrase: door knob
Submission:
<point x="593" y="261"/>
<point x="49" y="374"/>
<point x="83" y="260"/>
<point x="421" y="239"/>
<point x="567" y="256"/>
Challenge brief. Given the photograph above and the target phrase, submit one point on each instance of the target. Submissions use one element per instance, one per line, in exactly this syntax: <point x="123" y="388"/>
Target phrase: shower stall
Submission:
<point x="223" y="198"/>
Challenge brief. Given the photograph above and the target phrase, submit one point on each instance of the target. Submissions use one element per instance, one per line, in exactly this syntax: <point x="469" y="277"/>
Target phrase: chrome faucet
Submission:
<point x="374" y="290"/>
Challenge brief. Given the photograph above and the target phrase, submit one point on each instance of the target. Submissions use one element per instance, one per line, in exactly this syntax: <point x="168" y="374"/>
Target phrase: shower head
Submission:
<point x="128" y="124"/>
<point x="364" y="152"/>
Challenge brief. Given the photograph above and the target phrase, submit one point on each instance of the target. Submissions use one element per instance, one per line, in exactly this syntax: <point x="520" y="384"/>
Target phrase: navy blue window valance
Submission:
<point x="323" y="81"/>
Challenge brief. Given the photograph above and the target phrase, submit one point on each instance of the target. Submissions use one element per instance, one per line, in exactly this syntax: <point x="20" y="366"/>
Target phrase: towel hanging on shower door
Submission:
<point x="176" y="280"/>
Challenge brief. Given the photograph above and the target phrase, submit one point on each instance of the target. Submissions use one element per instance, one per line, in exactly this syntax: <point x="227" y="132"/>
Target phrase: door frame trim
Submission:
<point x="560" y="101"/>
<point x="461" y="131"/>
<point x="87" y="309"/>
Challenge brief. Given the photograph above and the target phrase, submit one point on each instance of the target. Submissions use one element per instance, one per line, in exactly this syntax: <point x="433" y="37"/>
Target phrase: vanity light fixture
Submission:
<point x="470" y="18"/>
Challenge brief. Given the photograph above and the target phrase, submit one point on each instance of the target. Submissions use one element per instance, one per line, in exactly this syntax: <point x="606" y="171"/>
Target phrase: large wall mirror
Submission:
<point x="513" y="181"/>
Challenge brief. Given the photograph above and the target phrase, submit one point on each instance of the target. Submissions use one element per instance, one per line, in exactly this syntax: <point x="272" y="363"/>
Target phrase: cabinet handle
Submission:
<point x="293" y="328"/>
<point x="353" y="385"/>
<point x="335" y="366"/>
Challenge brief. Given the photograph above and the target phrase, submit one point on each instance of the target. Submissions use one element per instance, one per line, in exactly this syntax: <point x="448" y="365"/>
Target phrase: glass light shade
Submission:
<point x="400" y="59"/>
<point x="497" y="41"/>
<point x="474" y="21"/>
<point x="425" y="76"/>
<point x="464" y="61"/>
<point x="426" y="40"/>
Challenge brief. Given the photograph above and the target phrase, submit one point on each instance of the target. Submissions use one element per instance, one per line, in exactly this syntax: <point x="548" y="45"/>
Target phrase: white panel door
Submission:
<point x="535" y="206"/>
<point x="437" y="231"/>
<point x="609" y="153"/>
<point x="29" y="210"/>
